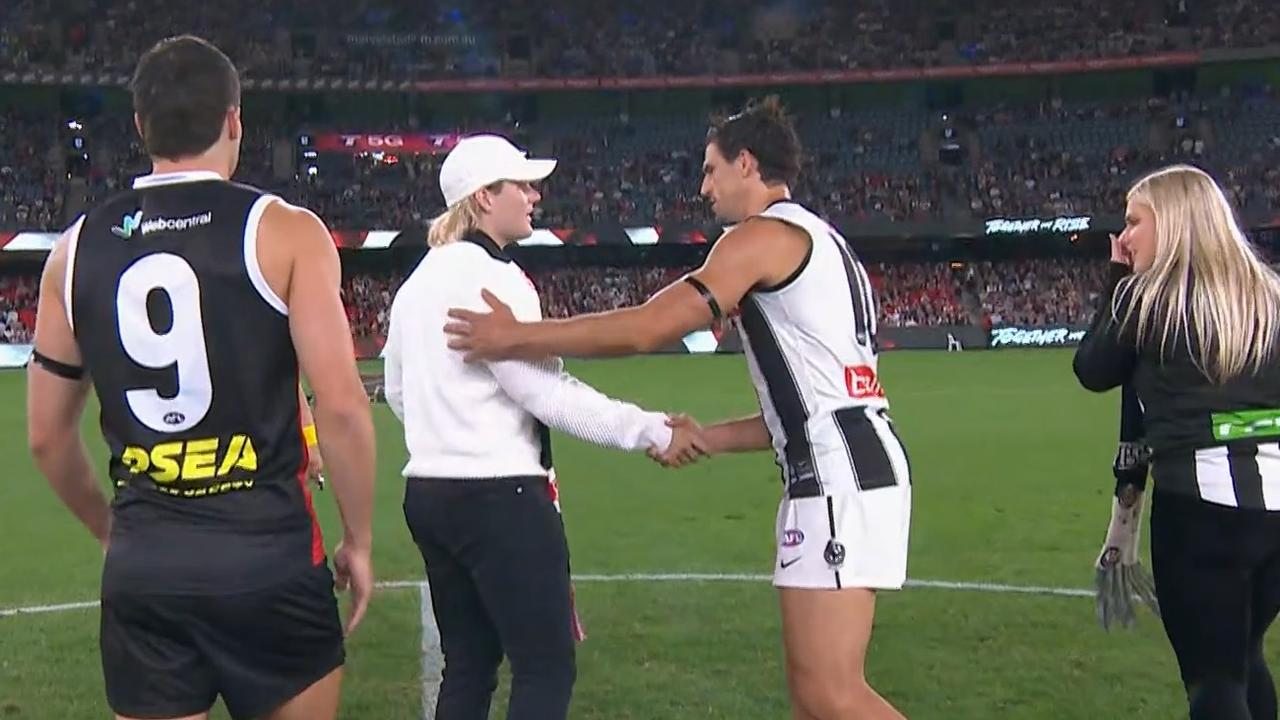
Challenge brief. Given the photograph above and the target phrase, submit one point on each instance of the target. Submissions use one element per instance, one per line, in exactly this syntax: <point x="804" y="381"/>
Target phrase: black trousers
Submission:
<point x="498" y="565"/>
<point x="1217" y="576"/>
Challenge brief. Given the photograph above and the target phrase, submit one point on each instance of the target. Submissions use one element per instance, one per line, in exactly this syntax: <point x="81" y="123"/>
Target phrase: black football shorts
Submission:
<point x="166" y="656"/>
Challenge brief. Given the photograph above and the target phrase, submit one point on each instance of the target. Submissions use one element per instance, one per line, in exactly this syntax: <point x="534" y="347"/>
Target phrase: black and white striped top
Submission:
<point x="1220" y="443"/>
<point x="811" y="351"/>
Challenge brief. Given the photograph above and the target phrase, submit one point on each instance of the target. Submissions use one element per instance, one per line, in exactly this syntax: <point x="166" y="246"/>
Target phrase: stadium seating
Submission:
<point x="576" y="38"/>
<point x="1047" y="159"/>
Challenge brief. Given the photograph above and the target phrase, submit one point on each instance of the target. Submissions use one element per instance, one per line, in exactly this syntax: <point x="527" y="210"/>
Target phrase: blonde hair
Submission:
<point x="459" y="219"/>
<point x="1207" y="281"/>
<point x="454" y="223"/>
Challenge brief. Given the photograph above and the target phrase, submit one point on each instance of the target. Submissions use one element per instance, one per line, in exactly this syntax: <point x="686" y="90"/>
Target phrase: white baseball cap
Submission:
<point x="482" y="160"/>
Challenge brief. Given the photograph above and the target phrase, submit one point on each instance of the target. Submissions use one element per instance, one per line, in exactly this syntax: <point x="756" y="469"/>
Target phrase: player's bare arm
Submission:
<point x="56" y="391"/>
<point x="301" y="265"/>
<point x="759" y="252"/>
<point x="732" y="436"/>
<point x="746" y="434"/>
<point x="743" y="435"/>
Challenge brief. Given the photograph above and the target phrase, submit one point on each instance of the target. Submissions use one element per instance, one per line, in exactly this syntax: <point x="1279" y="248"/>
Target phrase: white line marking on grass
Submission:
<point x="1001" y="588"/>
<point x="975" y="391"/>
<point x="37" y="609"/>
<point x="401" y="584"/>
<point x="432" y="655"/>
<point x="655" y="577"/>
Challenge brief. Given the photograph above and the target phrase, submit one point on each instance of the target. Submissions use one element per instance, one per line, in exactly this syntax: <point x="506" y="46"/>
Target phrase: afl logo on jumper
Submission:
<point x="174" y="418"/>
<point x="792" y="538"/>
<point x="834" y="553"/>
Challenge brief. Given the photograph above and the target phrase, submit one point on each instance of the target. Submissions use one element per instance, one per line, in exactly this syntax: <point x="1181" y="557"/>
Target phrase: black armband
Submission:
<point x="61" y="369"/>
<point x="706" y="295"/>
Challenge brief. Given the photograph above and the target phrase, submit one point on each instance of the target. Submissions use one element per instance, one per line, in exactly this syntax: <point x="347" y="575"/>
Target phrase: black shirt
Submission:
<point x="194" y="368"/>
<point x="1184" y="411"/>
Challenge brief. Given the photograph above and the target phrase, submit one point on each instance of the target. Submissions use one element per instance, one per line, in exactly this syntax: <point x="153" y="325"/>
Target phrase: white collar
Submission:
<point x="174" y="178"/>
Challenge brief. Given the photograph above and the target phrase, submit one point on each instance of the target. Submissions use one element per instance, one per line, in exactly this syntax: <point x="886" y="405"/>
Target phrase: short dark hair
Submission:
<point x="182" y="90"/>
<point x="763" y="129"/>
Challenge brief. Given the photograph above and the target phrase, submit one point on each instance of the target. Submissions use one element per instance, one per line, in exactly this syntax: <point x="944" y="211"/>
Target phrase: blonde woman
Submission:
<point x="1191" y="320"/>
<point x="480" y="497"/>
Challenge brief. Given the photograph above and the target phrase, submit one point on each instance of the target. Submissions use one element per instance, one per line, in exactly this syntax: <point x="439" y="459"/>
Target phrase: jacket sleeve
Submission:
<point x="1104" y="360"/>
<point x="563" y="402"/>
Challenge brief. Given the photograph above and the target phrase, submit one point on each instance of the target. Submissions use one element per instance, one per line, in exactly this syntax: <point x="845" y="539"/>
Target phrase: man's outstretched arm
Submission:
<point x="737" y="263"/>
<point x="732" y="436"/>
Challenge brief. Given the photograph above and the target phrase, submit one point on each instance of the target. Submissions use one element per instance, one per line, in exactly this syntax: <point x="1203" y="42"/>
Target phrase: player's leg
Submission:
<point x="826" y="633"/>
<point x="834" y="552"/>
<point x="797" y="712"/>
<point x="1202" y="584"/>
<point x="278" y="651"/>
<point x="791" y="538"/>
<point x="318" y="702"/>
<point x="151" y="667"/>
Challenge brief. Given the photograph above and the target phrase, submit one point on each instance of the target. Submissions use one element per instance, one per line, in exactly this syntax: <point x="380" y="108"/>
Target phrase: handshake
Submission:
<point x="688" y="443"/>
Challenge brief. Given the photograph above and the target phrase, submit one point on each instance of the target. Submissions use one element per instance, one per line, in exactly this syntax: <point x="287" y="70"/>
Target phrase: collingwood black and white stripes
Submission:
<point x="811" y="352"/>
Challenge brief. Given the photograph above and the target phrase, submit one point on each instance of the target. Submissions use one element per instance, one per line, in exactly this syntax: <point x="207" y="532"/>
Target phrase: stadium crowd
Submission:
<point x="912" y="294"/>
<point x="18" y="307"/>
<point x="573" y="291"/>
<point x="1042" y="159"/>
<point x="367" y="298"/>
<point x="1023" y="292"/>
<point x="1038" y="160"/>
<point x="1038" y="292"/>
<point x="431" y="39"/>
<point x="31" y="188"/>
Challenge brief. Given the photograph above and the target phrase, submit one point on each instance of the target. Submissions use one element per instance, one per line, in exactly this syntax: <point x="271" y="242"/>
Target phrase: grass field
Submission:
<point x="1011" y="478"/>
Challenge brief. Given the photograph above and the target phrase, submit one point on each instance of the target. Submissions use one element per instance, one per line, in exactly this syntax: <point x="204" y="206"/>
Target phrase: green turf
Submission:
<point x="1011" y="484"/>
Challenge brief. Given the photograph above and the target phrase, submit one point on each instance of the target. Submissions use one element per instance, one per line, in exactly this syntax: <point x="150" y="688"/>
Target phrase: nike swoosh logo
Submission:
<point x="785" y="564"/>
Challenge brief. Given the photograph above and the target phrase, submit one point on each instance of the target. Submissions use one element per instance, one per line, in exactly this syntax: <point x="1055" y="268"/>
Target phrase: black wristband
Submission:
<point x="1131" y="467"/>
<point x="61" y="369"/>
<point x="1126" y="487"/>
<point x="706" y="295"/>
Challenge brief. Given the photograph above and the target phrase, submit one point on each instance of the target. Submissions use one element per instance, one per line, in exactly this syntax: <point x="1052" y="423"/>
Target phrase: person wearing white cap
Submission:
<point x="480" y="499"/>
